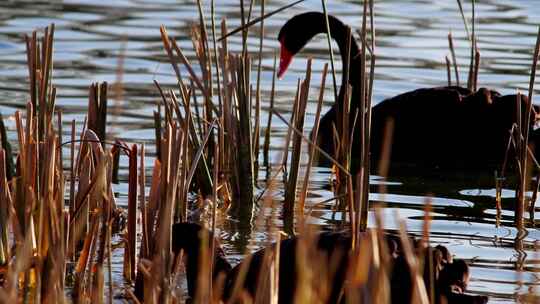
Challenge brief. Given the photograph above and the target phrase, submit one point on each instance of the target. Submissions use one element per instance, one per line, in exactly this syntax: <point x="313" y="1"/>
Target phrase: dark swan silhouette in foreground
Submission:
<point x="442" y="127"/>
<point x="451" y="276"/>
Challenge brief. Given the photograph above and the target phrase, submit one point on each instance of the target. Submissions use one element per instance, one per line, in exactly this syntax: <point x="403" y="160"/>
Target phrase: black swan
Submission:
<point x="334" y="247"/>
<point x="433" y="127"/>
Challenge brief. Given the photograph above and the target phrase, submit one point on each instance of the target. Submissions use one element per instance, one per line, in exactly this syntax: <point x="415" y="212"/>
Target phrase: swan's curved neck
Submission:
<point x="349" y="51"/>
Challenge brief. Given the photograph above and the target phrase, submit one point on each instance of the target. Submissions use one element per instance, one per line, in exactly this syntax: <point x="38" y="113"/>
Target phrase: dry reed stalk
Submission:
<point x="314" y="134"/>
<point x="419" y="293"/>
<point x="472" y="39"/>
<point x="170" y="45"/>
<point x="365" y="119"/>
<point x="257" y="125"/>
<point x="305" y="247"/>
<point x="448" y="70"/>
<point x="236" y="293"/>
<point x="274" y="274"/>
<point x="266" y="145"/>
<point x="244" y="179"/>
<point x="162" y="250"/>
<point x="498" y="198"/>
<point x="215" y="176"/>
<point x="4" y="216"/>
<point x="97" y="110"/>
<point x="285" y="156"/>
<point x="129" y="255"/>
<point x="426" y="227"/>
<point x="343" y="152"/>
<point x="373" y="56"/>
<point x="311" y="143"/>
<point x="144" y="285"/>
<point x="200" y="42"/>
<point x="226" y="34"/>
<point x="454" y="60"/>
<point x="475" y="71"/>
<point x="10" y="166"/>
<point x="519" y="140"/>
<point x="34" y="202"/>
<point x="330" y="50"/>
<point x="221" y="132"/>
<point x="460" y="5"/>
<point x="290" y="190"/>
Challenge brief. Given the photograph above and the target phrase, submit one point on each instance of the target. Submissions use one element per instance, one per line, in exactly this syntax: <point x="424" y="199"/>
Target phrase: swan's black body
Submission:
<point x="333" y="249"/>
<point x="445" y="127"/>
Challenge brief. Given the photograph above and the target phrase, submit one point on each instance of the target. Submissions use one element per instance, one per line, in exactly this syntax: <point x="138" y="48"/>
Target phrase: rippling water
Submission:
<point x="91" y="37"/>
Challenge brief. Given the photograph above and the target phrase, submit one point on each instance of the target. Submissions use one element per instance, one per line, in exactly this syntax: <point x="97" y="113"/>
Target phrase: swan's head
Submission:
<point x="295" y="34"/>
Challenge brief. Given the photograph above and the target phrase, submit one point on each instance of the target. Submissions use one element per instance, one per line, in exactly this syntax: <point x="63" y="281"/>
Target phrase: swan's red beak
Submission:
<point x="285" y="58"/>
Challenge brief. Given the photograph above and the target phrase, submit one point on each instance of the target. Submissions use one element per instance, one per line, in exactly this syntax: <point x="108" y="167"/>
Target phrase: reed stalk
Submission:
<point x="290" y="190"/>
<point x="454" y="60"/>
<point x="365" y="118"/>
<point x="266" y="145"/>
<point x="257" y="124"/>
<point x="448" y="70"/>
<point x="97" y="110"/>
<point x="314" y="134"/>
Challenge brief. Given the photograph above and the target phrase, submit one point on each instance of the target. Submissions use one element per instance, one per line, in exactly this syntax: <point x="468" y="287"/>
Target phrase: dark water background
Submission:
<point x="92" y="35"/>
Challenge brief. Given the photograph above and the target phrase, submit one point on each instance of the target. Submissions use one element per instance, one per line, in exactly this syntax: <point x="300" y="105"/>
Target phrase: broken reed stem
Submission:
<point x="448" y="71"/>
